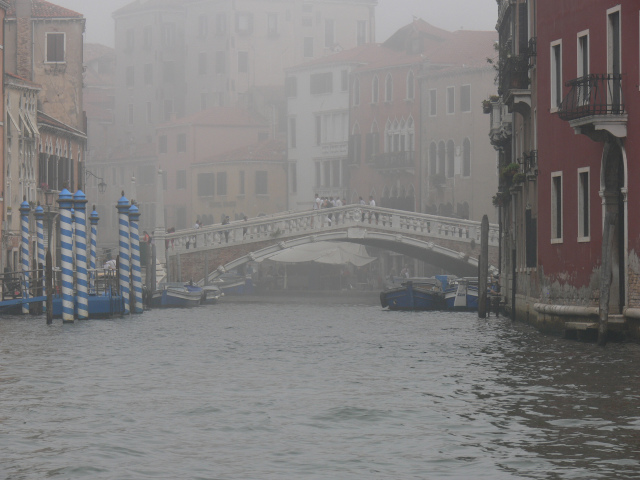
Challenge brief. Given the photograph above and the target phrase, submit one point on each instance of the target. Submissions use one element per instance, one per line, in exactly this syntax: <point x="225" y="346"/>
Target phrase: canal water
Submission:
<point x="304" y="389"/>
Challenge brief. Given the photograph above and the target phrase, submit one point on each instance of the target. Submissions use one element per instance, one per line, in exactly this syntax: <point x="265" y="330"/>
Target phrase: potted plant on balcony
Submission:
<point x="44" y="187"/>
<point x="486" y="106"/>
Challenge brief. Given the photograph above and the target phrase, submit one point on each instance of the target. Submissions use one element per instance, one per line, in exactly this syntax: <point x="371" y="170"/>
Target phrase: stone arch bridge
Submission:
<point x="451" y="244"/>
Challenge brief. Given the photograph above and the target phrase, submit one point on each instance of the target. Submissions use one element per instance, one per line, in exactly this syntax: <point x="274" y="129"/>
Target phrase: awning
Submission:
<point x="330" y="253"/>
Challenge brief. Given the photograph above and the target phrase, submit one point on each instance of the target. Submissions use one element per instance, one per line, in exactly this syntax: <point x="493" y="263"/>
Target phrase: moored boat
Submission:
<point x="414" y="294"/>
<point x="176" y="295"/>
<point x="462" y="294"/>
<point x="211" y="294"/>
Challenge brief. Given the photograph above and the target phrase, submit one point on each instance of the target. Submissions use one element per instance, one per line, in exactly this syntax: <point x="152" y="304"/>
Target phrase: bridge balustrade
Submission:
<point x="294" y="224"/>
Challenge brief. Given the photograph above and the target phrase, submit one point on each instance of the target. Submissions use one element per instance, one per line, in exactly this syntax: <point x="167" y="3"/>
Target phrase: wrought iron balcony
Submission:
<point x="594" y="105"/>
<point x="394" y="160"/>
<point x="596" y="94"/>
<point x="514" y="73"/>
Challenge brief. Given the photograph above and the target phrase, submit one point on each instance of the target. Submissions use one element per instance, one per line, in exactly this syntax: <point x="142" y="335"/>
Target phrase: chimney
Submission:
<point x="25" y="42"/>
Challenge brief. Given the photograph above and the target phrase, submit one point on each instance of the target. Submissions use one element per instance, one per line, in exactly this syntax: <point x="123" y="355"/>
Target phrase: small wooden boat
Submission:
<point x="462" y="294"/>
<point x="176" y="295"/>
<point x="414" y="294"/>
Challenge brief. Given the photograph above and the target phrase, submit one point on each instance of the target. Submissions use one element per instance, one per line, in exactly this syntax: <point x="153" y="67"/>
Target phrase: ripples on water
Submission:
<point x="312" y="391"/>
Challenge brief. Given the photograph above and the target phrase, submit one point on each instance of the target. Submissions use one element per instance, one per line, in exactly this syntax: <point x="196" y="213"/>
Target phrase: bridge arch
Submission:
<point x="452" y="261"/>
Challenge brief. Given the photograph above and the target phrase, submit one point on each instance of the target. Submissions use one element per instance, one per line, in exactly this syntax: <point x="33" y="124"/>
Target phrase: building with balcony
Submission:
<point x="570" y="239"/>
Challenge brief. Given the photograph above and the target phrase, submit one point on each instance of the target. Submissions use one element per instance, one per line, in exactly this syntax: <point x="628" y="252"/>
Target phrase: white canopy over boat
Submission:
<point x="330" y="253"/>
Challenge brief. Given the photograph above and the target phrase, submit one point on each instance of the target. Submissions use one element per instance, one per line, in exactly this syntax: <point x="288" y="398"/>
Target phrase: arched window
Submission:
<point x="450" y="159"/>
<point x="388" y="88"/>
<point x="375" y="89"/>
<point x="411" y="85"/>
<point x="466" y="158"/>
<point x="356" y="92"/>
<point x="433" y="160"/>
<point x="441" y="157"/>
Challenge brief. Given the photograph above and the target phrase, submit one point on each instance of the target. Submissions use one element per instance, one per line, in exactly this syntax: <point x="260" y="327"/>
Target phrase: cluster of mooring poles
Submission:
<point x="73" y="245"/>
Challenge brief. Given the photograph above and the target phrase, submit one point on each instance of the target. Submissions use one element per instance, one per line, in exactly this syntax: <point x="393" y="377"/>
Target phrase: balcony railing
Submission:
<point x="514" y="73"/>
<point x="595" y="94"/>
<point x="394" y="160"/>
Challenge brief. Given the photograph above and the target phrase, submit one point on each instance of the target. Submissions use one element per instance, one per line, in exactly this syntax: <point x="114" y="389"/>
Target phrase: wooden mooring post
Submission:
<point x="610" y="220"/>
<point x="49" y="287"/>
<point x="483" y="268"/>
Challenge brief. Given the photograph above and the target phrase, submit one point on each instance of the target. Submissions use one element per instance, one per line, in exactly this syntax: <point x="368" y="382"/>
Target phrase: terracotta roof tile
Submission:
<point x="44" y="9"/>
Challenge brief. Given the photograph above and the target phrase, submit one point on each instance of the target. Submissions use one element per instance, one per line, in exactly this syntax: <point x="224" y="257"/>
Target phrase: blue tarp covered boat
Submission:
<point x="414" y="294"/>
<point x="176" y="295"/>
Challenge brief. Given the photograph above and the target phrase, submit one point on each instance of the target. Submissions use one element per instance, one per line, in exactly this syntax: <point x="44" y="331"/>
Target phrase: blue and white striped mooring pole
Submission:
<point x="80" y="207"/>
<point x="40" y="233"/>
<point x="136" y="275"/>
<point x="94" y="217"/>
<point x="25" y="208"/>
<point x="123" y="220"/>
<point x="65" y="201"/>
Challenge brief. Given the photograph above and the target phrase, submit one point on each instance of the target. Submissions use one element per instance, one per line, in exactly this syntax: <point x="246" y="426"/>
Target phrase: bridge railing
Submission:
<point x="288" y="224"/>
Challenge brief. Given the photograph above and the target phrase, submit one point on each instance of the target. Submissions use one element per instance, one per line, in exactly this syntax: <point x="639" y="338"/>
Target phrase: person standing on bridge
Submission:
<point x="362" y="202"/>
<point x="338" y="203"/>
<point x="372" y="203"/>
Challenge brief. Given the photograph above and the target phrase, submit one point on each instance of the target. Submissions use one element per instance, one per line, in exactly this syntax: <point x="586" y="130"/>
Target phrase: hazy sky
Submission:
<point x="390" y="15"/>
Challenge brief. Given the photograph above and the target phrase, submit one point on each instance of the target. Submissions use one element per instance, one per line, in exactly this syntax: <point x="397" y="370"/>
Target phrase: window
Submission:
<point x="244" y="23"/>
<point x="241" y="183"/>
<point x="465" y="98"/>
<point x="321" y="83"/>
<point x="148" y="74"/>
<point x="433" y="158"/>
<point x="318" y="174"/>
<point x="614" y="57"/>
<point x="220" y="63"/>
<point x="272" y="24"/>
<point x="203" y="26"/>
<point x="375" y="89"/>
<point x="147" y="36"/>
<point x="202" y="63"/>
<point x="556" y="75"/>
<point x="181" y="143"/>
<point x="162" y="144"/>
<point x="181" y="179"/>
<point x="451" y="100"/>
<point x="55" y="48"/>
<point x="441" y="157"/>
<point x="335" y="170"/>
<point x="130" y="76"/>
<point x="433" y="103"/>
<point x="292" y="133"/>
<point x="466" y="158"/>
<point x="344" y="81"/>
<point x="169" y="71"/>
<point x="583" y="54"/>
<point x="168" y="109"/>
<point x="261" y="183"/>
<point x="291" y="87"/>
<point x="221" y="24"/>
<point x="168" y="31"/>
<point x="361" y="35"/>
<point x="243" y="62"/>
<point x="308" y="47"/>
<point x="149" y="114"/>
<point x="131" y="114"/>
<point x="584" y="227"/>
<point x="318" y="129"/>
<point x="355" y="148"/>
<point x="294" y="178"/>
<point x="411" y="85"/>
<point x="356" y="92"/>
<point x="165" y="181"/>
<point x="388" y="88"/>
<point x="221" y="183"/>
<point x="206" y="184"/>
<point x="451" y="159"/>
<point x="129" y="40"/>
<point x="556" y="207"/>
<point x="203" y="101"/>
<point x="329" y="34"/>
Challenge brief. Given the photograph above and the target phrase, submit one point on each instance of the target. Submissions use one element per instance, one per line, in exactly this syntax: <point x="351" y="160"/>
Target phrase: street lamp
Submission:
<point x="102" y="186"/>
